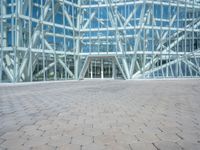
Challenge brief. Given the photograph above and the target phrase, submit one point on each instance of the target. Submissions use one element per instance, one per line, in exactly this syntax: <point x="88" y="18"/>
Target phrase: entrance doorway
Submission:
<point x="100" y="68"/>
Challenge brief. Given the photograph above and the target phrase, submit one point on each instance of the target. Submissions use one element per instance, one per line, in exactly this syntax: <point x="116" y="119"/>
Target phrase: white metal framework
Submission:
<point x="74" y="39"/>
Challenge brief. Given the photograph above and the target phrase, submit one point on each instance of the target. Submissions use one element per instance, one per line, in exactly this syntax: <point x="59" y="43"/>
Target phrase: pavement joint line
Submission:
<point x="155" y="146"/>
<point x="179" y="136"/>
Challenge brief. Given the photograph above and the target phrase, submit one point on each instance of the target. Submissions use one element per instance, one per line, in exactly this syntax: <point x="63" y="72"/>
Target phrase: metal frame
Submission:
<point x="44" y="40"/>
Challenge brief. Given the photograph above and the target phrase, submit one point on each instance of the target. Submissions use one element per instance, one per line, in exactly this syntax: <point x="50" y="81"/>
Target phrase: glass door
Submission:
<point x="96" y="68"/>
<point x="107" y="68"/>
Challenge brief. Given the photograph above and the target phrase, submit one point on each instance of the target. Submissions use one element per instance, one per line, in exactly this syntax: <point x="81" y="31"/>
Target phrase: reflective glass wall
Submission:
<point x="151" y="39"/>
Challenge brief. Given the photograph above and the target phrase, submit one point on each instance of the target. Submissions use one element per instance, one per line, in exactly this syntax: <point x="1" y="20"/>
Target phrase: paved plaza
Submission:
<point x="101" y="115"/>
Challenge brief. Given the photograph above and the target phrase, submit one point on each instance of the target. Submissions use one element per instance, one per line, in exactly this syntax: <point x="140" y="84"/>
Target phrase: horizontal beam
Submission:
<point x="138" y="27"/>
<point x="47" y="23"/>
<point x="196" y="53"/>
<point x="140" y="2"/>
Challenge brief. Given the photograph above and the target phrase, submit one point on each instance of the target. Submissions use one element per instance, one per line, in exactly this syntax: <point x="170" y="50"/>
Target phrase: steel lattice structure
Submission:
<point x="74" y="39"/>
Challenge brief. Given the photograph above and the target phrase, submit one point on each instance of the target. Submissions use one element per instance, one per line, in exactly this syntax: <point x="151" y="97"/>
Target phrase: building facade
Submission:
<point x="43" y="40"/>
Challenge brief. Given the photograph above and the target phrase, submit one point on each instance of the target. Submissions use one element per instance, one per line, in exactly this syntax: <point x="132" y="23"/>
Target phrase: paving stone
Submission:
<point x="165" y="145"/>
<point x="14" y="147"/>
<point x="12" y="135"/>
<point x="189" y="145"/>
<point x="117" y="147"/>
<point x="99" y="114"/>
<point x="58" y="141"/>
<point x="74" y="131"/>
<point x="93" y="146"/>
<point x="36" y="132"/>
<point x="171" y="137"/>
<point x="92" y="131"/>
<point x="171" y="129"/>
<point x="147" y="137"/>
<point x="2" y="140"/>
<point x="142" y="146"/>
<point x="125" y="139"/>
<point x="104" y="139"/>
<point x="190" y="137"/>
<point x="48" y="133"/>
<point x="36" y="141"/>
<point x="70" y="147"/>
<point x="43" y="147"/>
<point x="13" y="143"/>
<point x="81" y="140"/>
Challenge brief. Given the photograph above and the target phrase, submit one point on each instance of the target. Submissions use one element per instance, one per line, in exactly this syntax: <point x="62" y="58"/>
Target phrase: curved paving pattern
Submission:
<point x="101" y="115"/>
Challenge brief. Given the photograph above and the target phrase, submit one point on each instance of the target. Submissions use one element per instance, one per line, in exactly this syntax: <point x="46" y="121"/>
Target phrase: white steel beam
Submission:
<point x="45" y="69"/>
<point x="143" y="18"/>
<point x="77" y="44"/>
<point x="89" y="20"/>
<point x="68" y="17"/>
<point x="8" y="72"/>
<point x="130" y="16"/>
<point x="84" y="68"/>
<point x="66" y="68"/>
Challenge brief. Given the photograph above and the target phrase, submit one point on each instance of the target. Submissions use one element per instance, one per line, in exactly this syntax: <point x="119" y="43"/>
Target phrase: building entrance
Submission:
<point x="100" y="68"/>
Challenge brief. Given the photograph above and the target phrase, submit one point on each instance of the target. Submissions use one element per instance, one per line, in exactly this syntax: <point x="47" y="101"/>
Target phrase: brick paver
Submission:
<point x="101" y="115"/>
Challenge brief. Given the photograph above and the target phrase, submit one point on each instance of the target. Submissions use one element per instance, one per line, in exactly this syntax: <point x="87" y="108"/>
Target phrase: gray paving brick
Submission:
<point x="165" y="145"/>
<point x="99" y="114"/>
<point x="142" y="146"/>
<point x="171" y="137"/>
<point x="57" y="141"/>
<point x="94" y="146"/>
<point x="82" y="140"/>
<point x="189" y="145"/>
<point x="70" y="147"/>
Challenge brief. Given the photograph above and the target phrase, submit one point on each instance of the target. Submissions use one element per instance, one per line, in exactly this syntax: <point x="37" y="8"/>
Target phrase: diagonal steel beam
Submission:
<point x="59" y="60"/>
<point x="113" y="20"/>
<point x="120" y="67"/>
<point x="68" y="16"/>
<point x="8" y="72"/>
<point x="143" y="18"/>
<point x="66" y="68"/>
<point x="157" y="68"/>
<point x="89" y="20"/>
<point x="131" y="15"/>
<point x="84" y="68"/>
<point x="37" y="32"/>
<point x="45" y="69"/>
<point x="168" y="49"/>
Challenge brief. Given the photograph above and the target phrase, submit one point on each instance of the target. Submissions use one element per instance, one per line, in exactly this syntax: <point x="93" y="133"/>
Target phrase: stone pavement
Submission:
<point x="101" y="115"/>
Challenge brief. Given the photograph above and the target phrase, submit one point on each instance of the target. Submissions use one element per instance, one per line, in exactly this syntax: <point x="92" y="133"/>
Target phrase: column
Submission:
<point x="102" y="68"/>
<point x="113" y="69"/>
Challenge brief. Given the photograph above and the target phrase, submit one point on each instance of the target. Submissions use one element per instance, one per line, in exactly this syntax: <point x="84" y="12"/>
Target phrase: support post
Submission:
<point x="102" y="76"/>
<point x="77" y="49"/>
<point x="113" y="69"/>
<point x="3" y="35"/>
<point x="91" y="70"/>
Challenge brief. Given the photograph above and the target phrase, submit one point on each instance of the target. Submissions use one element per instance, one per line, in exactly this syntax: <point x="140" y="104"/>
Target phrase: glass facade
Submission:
<point x="43" y="40"/>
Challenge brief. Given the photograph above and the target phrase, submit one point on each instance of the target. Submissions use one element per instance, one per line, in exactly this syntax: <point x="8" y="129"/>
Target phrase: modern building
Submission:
<point x="44" y="40"/>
